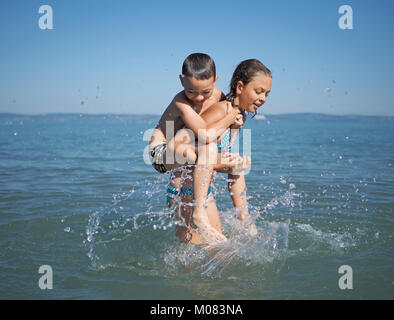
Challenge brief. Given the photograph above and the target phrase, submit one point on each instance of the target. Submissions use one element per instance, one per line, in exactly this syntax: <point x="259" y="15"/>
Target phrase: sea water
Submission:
<point x="76" y="195"/>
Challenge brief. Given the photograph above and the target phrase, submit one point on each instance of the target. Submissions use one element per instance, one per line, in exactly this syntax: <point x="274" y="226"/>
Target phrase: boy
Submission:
<point x="168" y="152"/>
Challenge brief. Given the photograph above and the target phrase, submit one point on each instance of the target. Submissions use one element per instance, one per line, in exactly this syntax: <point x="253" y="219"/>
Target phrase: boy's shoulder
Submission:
<point x="178" y="102"/>
<point x="181" y="98"/>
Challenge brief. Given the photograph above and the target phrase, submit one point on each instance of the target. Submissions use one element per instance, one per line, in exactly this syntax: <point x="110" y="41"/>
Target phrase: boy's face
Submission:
<point x="198" y="91"/>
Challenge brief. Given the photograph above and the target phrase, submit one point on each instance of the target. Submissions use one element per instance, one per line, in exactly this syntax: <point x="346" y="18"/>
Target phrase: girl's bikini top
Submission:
<point x="225" y="144"/>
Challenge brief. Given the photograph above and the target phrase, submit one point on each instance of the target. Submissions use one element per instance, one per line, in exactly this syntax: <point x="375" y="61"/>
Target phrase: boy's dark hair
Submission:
<point x="200" y="66"/>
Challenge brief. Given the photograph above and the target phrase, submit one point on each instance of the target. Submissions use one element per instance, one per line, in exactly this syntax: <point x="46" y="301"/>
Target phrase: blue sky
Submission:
<point x="125" y="56"/>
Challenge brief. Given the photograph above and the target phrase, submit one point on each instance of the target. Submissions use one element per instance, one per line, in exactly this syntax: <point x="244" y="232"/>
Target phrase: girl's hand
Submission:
<point x="241" y="164"/>
<point x="239" y="120"/>
<point x="229" y="108"/>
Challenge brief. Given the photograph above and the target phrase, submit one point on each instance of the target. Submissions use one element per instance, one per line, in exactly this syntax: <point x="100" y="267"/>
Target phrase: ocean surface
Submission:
<point x="76" y="195"/>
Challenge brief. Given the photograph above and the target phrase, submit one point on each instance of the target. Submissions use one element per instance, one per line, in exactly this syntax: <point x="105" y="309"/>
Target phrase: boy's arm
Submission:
<point x="216" y="117"/>
<point x="190" y="117"/>
<point x="219" y="117"/>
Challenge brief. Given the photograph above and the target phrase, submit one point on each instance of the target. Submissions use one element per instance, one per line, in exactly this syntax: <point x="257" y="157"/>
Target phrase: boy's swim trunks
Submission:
<point x="157" y="155"/>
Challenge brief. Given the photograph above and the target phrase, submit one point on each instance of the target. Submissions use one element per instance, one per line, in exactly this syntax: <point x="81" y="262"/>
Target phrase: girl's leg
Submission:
<point x="185" y="232"/>
<point x="175" y="179"/>
<point x="237" y="189"/>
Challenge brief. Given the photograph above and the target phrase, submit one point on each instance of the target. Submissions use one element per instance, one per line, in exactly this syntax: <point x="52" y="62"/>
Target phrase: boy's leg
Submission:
<point x="213" y="214"/>
<point x="207" y="158"/>
<point x="180" y="150"/>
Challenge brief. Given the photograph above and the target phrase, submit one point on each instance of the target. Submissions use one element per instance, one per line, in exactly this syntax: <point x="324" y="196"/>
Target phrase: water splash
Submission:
<point x="269" y="244"/>
<point x="136" y="232"/>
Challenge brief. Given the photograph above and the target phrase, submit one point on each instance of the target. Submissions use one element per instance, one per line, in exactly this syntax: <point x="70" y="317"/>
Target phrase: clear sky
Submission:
<point x="125" y="56"/>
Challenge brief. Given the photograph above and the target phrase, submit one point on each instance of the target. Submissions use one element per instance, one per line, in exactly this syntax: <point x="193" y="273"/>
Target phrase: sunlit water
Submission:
<point x="76" y="194"/>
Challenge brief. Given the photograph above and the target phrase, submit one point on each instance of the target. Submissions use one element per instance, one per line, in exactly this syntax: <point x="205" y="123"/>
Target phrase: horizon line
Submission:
<point x="157" y="114"/>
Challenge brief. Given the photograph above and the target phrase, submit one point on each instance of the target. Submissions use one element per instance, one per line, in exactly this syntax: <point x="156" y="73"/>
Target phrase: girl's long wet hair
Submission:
<point x="245" y="72"/>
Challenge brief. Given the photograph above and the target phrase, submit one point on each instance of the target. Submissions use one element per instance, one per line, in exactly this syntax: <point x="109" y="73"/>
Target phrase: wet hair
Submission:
<point x="200" y="66"/>
<point x="245" y="72"/>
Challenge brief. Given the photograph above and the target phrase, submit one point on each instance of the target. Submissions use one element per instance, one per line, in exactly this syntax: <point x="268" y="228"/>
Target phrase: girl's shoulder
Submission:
<point x="215" y="112"/>
<point x="223" y="106"/>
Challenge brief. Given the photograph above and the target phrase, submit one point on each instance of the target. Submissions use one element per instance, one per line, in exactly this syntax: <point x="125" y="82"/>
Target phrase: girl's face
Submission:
<point x="255" y="93"/>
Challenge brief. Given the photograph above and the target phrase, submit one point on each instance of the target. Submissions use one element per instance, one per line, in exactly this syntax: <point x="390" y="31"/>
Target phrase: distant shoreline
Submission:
<point x="73" y="114"/>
